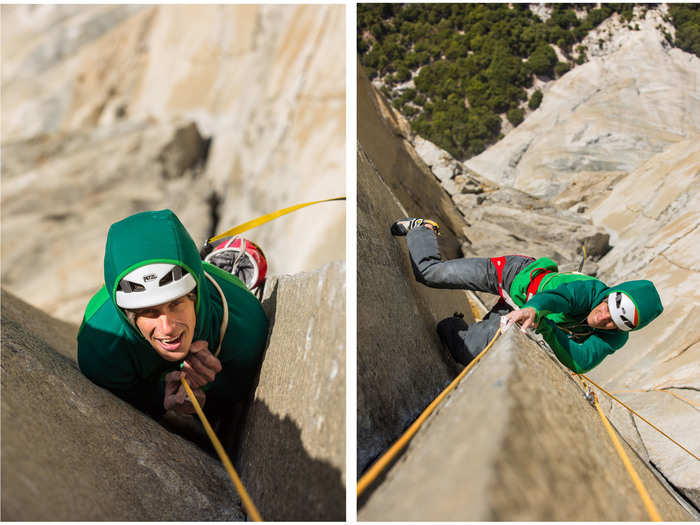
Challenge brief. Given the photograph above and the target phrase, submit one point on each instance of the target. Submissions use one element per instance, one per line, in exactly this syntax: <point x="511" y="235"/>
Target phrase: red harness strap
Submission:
<point x="535" y="283"/>
<point x="499" y="263"/>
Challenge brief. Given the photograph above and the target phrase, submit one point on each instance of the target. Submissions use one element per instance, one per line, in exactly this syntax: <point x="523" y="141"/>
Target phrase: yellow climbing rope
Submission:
<point x="245" y="498"/>
<point x="659" y="389"/>
<point x="267" y="218"/>
<point x="640" y="417"/>
<point x="381" y="463"/>
<point x="648" y="503"/>
<point x="678" y="396"/>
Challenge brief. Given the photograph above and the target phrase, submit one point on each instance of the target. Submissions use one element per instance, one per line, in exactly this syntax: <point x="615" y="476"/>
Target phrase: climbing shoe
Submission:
<point x="403" y="226"/>
<point x="451" y="331"/>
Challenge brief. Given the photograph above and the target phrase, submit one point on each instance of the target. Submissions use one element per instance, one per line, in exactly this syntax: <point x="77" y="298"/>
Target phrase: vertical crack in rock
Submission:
<point x="214" y="202"/>
<point x="639" y="438"/>
<point x="290" y="112"/>
<point x="677" y="492"/>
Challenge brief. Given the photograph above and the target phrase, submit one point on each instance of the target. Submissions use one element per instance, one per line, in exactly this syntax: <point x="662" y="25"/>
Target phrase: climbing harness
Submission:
<point x="242" y="492"/>
<point x="535" y="283"/>
<point x="499" y="263"/>
<point x="377" y="468"/>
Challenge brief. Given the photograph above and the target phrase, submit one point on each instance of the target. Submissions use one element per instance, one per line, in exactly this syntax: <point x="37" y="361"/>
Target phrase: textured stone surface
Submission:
<point x="292" y="457"/>
<point x="401" y="364"/>
<point x="671" y="409"/>
<point x="72" y="451"/>
<point x="506" y="220"/>
<point x="93" y="96"/>
<point x="515" y="441"/>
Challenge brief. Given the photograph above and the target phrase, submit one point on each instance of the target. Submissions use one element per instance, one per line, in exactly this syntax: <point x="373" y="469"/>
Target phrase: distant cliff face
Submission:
<point x="221" y="113"/>
<point x="632" y="100"/>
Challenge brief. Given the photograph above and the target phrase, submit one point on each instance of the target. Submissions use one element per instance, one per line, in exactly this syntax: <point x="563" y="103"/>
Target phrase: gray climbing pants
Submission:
<point x="477" y="274"/>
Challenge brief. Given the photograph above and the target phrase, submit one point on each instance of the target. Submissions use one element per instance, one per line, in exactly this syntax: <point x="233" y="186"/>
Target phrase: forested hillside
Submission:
<point x="455" y="69"/>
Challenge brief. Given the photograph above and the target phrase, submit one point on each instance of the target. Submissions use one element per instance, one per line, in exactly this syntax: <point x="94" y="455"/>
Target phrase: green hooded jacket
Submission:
<point x="113" y="353"/>
<point x="562" y="304"/>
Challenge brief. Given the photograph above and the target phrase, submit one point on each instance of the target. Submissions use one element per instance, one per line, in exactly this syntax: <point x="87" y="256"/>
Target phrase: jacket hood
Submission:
<point x="145" y="238"/>
<point x="645" y="298"/>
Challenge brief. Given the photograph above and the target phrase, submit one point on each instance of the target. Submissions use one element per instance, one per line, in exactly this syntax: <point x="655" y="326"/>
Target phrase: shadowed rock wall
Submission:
<point x="400" y="361"/>
<point x="292" y="458"/>
<point x="73" y="451"/>
<point x="515" y="441"/>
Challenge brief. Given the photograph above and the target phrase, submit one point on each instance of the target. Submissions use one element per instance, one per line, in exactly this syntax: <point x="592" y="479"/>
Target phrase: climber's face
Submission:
<point x="169" y="327"/>
<point x="600" y="317"/>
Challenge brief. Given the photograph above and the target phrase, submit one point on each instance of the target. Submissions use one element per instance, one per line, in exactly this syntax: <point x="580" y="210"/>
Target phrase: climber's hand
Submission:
<point x="200" y="365"/>
<point x="176" y="396"/>
<point x="524" y="316"/>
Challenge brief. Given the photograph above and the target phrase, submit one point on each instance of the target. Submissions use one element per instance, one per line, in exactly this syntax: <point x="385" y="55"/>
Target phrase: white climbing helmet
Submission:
<point x="622" y="311"/>
<point x="153" y="284"/>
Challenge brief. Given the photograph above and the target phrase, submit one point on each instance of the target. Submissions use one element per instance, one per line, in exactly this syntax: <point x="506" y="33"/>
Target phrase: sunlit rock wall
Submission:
<point x="221" y="113"/>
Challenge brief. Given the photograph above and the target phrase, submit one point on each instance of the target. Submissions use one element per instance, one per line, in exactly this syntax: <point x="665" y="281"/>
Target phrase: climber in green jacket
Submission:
<point x="163" y="313"/>
<point x="581" y="319"/>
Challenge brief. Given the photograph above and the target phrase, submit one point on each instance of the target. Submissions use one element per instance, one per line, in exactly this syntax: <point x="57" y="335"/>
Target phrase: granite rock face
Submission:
<point x="515" y="441"/>
<point x="57" y="208"/>
<point x="221" y="113"/>
<point x="72" y="451"/>
<point x="57" y="425"/>
<point x="515" y="432"/>
<point x="656" y="234"/>
<point x="401" y="364"/>
<point x="292" y="456"/>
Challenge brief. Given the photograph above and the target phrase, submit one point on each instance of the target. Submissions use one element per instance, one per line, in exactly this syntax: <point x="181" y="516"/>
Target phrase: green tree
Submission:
<point x="686" y="20"/>
<point x="535" y="100"/>
<point x="561" y="68"/>
<point x="402" y="74"/>
<point x="542" y="61"/>
<point x="362" y="46"/>
<point x="515" y="116"/>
